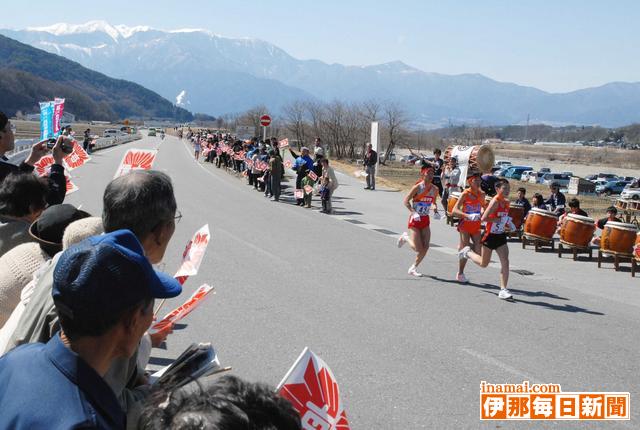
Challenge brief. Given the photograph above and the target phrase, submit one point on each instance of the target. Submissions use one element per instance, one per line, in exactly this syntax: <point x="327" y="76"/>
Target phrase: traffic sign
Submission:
<point x="265" y="120"/>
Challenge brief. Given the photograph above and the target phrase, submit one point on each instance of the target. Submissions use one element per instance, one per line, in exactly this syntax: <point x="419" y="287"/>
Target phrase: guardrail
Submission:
<point x="22" y="146"/>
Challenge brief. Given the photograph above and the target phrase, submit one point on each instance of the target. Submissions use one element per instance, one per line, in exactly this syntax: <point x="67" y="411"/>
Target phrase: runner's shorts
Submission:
<point x="423" y="223"/>
<point x="494" y="241"/>
<point x="471" y="227"/>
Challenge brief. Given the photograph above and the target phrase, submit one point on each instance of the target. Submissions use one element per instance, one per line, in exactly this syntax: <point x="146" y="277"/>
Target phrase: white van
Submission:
<point x="111" y="132"/>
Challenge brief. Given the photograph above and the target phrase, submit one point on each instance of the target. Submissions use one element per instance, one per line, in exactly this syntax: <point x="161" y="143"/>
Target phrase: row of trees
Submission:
<point x="345" y="128"/>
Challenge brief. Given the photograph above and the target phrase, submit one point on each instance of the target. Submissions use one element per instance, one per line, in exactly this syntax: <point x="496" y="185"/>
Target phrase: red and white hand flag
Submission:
<point x="182" y="311"/>
<point x="313" y="391"/>
<point x="308" y="189"/>
<point x="283" y="143"/>
<point x="313" y="175"/>
<point x="298" y="194"/>
<point x="136" y="159"/>
<point x="288" y="164"/>
<point x="43" y="168"/>
<point x="193" y="254"/>
<point x="77" y="157"/>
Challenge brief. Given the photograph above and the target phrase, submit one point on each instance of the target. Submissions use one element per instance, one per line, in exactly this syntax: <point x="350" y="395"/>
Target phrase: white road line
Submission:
<point x="494" y="362"/>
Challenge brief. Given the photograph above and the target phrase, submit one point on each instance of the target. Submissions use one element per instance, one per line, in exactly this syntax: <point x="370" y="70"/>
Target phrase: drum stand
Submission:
<point x="575" y="250"/>
<point x="616" y="257"/>
<point x="537" y="242"/>
<point x="634" y="267"/>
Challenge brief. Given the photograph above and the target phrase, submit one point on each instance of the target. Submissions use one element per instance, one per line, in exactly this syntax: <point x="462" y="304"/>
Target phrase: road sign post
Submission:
<point x="265" y="121"/>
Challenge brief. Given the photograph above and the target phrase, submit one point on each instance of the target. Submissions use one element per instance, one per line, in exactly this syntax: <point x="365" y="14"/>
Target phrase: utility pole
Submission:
<point x="526" y="129"/>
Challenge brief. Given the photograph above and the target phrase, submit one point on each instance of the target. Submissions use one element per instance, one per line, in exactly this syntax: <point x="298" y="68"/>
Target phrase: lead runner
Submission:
<point x="495" y="238"/>
<point x="419" y="201"/>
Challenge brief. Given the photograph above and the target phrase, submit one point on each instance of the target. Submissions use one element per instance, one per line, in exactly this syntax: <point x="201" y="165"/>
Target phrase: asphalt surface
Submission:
<point x="408" y="353"/>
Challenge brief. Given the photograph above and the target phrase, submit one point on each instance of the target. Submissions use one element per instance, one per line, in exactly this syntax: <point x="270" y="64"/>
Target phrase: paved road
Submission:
<point x="408" y="353"/>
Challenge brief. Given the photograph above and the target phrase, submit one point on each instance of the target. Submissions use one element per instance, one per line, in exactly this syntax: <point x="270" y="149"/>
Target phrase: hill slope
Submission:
<point x="29" y="75"/>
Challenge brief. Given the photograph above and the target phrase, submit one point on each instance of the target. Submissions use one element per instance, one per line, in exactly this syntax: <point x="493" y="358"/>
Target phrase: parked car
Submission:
<point x="525" y="175"/>
<point x="152" y="132"/>
<point x="560" y="178"/>
<point x="515" y="172"/>
<point x="409" y="159"/>
<point x="607" y="176"/>
<point x="503" y="163"/>
<point x="591" y="178"/>
<point x="545" y="170"/>
<point x="494" y="169"/>
<point x="630" y="193"/>
<point x="612" y="187"/>
<point x="501" y="172"/>
<point x="569" y="174"/>
<point x="627" y="178"/>
<point x="536" y="177"/>
<point x="112" y="132"/>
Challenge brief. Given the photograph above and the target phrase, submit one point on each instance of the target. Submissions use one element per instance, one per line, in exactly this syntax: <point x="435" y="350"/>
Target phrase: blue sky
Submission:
<point x="556" y="46"/>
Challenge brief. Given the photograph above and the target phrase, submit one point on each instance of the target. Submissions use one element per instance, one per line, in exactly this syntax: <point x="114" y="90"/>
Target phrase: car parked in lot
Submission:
<point x="560" y="178"/>
<point x="515" y="172"/>
<point x="630" y="193"/>
<point x="503" y="163"/>
<point x="525" y="175"/>
<point x="612" y="187"/>
<point x="409" y="159"/>
<point x="607" y="176"/>
<point x="544" y="170"/>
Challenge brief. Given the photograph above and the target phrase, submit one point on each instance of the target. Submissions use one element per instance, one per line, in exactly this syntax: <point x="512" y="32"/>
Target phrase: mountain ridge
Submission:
<point x="258" y="72"/>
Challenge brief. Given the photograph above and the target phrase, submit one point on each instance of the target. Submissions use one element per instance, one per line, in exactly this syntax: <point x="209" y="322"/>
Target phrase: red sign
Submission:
<point x="136" y="159"/>
<point x="77" y="158"/>
<point x="177" y="314"/>
<point x="265" y="120"/>
<point x="313" y="175"/>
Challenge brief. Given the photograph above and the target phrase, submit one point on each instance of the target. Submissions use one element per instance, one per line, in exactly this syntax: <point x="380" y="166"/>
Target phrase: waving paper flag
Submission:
<point x="287" y="164"/>
<point x="136" y="159"/>
<point x="71" y="187"/>
<point x="194" y="253"/>
<point x="283" y="143"/>
<point x="308" y="189"/>
<point x="313" y="391"/>
<point x="298" y="194"/>
<point x="187" y="307"/>
<point x="77" y="158"/>
<point x="313" y="175"/>
<point x="43" y="165"/>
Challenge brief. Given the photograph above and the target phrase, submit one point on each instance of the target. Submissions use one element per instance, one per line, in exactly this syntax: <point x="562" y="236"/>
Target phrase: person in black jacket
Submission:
<point x="556" y="201"/>
<point x="56" y="179"/>
<point x="370" y="163"/>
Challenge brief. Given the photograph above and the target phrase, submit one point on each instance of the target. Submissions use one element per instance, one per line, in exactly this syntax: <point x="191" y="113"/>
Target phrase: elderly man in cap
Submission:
<point x="56" y="179"/>
<point x="143" y="202"/>
<point x="103" y="290"/>
<point x="301" y="160"/>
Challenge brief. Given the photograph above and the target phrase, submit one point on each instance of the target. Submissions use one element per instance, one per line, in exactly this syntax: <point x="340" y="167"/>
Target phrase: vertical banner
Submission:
<point x="313" y="391"/>
<point x="375" y="139"/>
<point x="46" y="120"/>
<point x="58" y="110"/>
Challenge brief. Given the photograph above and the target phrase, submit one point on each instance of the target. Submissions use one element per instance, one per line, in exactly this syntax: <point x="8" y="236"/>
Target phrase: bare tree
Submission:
<point x="316" y="112"/>
<point x="252" y="116"/>
<point x="370" y="111"/>
<point x="395" y="120"/>
<point x="294" y="115"/>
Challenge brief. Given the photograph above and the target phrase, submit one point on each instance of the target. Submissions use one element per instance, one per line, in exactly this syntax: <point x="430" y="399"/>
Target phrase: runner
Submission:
<point x="419" y="201"/>
<point x="495" y="238"/>
<point x="469" y="210"/>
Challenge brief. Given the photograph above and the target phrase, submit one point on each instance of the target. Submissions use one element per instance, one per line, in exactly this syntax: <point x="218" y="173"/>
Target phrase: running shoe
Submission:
<point x="505" y="294"/>
<point x="463" y="254"/>
<point x="461" y="278"/>
<point x="413" y="272"/>
<point x="403" y="239"/>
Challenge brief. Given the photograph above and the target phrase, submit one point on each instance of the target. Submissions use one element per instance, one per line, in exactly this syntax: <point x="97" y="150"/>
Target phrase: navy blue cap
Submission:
<point x="104" y="275"/>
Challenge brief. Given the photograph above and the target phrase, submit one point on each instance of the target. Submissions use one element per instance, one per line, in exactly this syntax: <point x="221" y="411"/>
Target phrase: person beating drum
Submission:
<point x="469" y="210"/>
<point x="495" y="238"/>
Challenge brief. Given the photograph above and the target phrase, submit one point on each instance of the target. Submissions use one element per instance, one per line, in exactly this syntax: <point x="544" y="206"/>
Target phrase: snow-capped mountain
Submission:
<point x="222" y="74"/>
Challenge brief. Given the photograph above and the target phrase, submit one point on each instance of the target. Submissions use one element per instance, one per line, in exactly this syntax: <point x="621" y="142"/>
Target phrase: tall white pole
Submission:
<point x="375" y="138"/>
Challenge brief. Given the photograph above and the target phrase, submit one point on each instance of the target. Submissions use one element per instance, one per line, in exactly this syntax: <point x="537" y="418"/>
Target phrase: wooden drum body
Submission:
<point x="452" y="202"/>
<point x="618" y="238"/>
<point x="540" y="224"/>
<point x="516" y="212"/>
<point x="577" y="230"/>
<point x="478" y="157"/>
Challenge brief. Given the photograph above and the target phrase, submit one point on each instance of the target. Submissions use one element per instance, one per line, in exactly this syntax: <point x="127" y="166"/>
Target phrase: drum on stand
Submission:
<point x="516" y="212"/>
<point x="541" y="224"/>
<point x="481" y="157"/>
<point x="577" y="230"/>
<point x="618" y="238"/>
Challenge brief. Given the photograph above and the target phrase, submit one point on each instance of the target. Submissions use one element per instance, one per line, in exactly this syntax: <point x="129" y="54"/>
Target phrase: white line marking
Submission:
<point x="494" y="362"/>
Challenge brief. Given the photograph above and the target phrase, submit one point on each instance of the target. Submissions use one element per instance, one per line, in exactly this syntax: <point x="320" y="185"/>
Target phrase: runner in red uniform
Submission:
<point x="495" y="238"/>
<point x="469" y="211"/>
<point x="422" y="196"/>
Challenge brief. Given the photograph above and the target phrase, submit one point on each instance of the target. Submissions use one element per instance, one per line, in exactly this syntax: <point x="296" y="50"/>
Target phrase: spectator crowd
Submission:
<point x="77" y="300"/>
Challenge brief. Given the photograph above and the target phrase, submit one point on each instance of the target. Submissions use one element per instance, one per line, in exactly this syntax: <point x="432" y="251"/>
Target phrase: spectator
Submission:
<point x="103" y="292"/>
<point x="329" y="183"/>
<point x="227" y="403"/>
<point x="76" y="232"/>
<point x="301" y="172"/>
<point x="370" y="163"/>
<point x="451" y="177"/>
<point x="143" y="202"/>
<point x="86" y="140"/>
<point x="556" y="201"/>
<point x="437" y="164"/>
<point x="56" y="180"/>
<point x="574" y="207"/>
<point x="22" y="200"/>
<point x="276" y="170"/>
<point x="307" y="187"/>
<point x="18" y="264"/>
<point x="197" y="147"/>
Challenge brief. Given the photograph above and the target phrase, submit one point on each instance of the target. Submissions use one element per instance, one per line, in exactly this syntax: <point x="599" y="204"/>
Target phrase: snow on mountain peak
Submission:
<point x="114" y="32"/>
